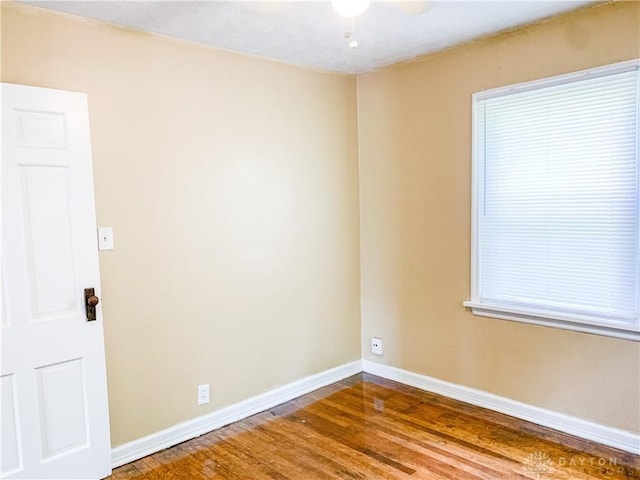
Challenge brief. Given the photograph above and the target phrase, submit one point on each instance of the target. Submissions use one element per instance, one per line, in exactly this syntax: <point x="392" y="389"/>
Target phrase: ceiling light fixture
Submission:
<point x="350" y="8"/>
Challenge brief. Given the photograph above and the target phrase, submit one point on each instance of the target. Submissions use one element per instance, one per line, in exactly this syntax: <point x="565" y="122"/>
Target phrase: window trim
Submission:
<point x="578" y="323"/>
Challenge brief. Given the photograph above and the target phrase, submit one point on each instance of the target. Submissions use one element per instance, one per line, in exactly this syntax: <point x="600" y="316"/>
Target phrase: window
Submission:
<point x="555" y="202"/>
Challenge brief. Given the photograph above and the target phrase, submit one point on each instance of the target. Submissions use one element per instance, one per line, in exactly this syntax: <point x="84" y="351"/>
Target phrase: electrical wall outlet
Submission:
<point x="203" y="394"/>
<point x="376" y="346"/>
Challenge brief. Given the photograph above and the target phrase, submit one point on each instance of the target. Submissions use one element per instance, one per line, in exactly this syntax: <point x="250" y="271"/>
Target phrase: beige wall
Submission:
<point x="415" y="173"/>
<point x="231" y="183"/>
<point x="232" y="186"/>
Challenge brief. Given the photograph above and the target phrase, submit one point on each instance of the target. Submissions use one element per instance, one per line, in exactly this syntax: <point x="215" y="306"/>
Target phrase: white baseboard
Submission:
<point x="129" y="452"/>
<point x="198" y="426"/>
<point x="621" y="439"/>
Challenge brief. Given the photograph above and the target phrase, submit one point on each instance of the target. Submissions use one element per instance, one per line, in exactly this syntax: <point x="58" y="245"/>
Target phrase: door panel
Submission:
<point x="48" y="241"/>
<point x="11" y="455"/>
<point x="61" y="397"/>
<point x="55" y="421"/>
<point x="41" y="129"/>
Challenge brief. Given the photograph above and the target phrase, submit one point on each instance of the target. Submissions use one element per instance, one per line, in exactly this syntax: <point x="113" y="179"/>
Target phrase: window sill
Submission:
<point x="543" y="319"/>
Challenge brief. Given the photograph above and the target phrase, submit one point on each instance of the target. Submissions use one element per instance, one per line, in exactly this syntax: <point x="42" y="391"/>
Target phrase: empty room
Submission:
<point x="342" y="239"/>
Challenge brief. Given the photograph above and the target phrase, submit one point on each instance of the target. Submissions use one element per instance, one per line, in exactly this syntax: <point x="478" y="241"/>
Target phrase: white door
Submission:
<point x="53" y="381"/>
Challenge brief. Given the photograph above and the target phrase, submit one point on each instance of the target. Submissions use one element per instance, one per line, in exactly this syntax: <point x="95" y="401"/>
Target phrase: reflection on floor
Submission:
<point x="366" y="427"/>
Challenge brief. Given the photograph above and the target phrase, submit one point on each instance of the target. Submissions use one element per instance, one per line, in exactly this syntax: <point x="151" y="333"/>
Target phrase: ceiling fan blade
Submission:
<point x="411" y="7"/>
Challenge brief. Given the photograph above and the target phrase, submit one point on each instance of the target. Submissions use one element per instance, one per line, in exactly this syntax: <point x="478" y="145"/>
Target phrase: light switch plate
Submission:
<point x="105" y="238"/>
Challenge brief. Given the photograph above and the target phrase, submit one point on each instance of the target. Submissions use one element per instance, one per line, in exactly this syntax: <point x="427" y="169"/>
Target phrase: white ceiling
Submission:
<point x="311" y="34"/>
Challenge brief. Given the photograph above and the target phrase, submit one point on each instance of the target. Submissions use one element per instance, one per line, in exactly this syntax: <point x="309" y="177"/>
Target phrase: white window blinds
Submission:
<point x="557" y="199"/>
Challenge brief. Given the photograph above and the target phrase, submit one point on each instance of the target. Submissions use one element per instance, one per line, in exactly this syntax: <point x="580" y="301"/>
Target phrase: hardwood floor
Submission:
<point x="366" y="427"/>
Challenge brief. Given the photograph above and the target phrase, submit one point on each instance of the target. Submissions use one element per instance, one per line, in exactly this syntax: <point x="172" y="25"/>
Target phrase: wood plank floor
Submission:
<point x="366" y="427"/>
